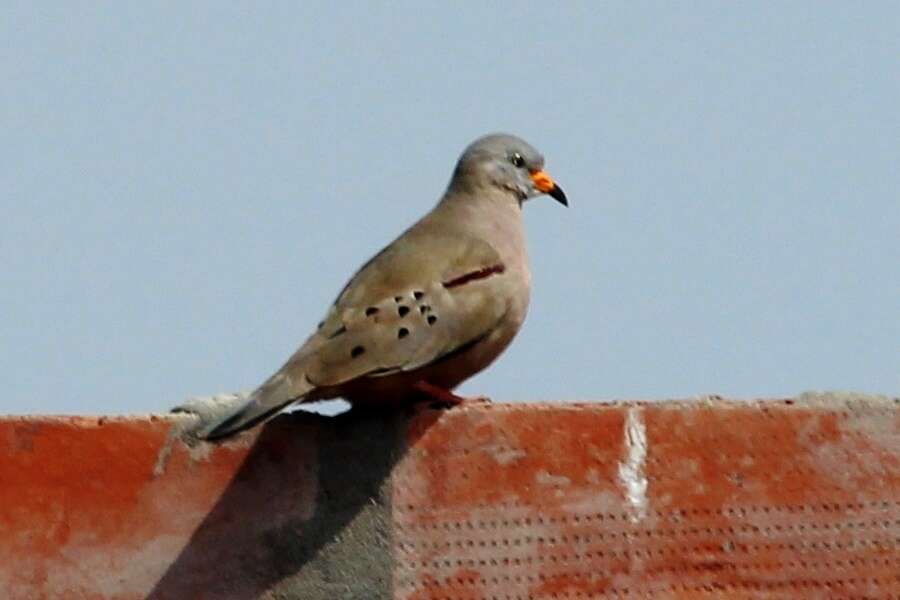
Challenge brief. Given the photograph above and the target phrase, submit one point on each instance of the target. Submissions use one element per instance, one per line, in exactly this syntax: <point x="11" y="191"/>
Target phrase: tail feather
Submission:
<point x="245" y="418"/>
<point x="264" y="403"/>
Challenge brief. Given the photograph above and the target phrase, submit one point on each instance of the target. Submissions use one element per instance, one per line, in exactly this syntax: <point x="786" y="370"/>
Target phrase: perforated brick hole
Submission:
<point x="724" y="501"/>
<point x="690" y="500"/>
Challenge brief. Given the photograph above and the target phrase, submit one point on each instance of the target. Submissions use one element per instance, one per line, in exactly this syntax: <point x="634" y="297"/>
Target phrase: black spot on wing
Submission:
<point x="339" y="331"/>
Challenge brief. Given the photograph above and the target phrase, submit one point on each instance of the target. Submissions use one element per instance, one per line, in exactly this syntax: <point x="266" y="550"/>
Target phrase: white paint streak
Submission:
<point x="549" y="479"/>
<point x="504" y="455"/>
<point x="631" y="469"/>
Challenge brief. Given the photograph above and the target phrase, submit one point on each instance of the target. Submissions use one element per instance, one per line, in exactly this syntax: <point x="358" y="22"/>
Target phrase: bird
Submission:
<point x="433" y="308"/>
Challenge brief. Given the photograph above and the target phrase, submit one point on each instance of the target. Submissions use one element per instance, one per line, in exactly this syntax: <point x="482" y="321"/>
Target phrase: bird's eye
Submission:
<point x="517" y="160"/>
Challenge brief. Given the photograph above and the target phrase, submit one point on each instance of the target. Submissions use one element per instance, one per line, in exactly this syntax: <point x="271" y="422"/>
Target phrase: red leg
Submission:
<point x="444" y="397"/>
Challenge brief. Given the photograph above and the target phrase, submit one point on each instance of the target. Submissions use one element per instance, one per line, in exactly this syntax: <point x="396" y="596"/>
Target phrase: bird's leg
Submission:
<point x="445" y="398"/>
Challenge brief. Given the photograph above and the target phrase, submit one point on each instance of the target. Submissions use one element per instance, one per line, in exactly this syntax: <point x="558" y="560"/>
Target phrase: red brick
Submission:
<point x="706" y="499"/>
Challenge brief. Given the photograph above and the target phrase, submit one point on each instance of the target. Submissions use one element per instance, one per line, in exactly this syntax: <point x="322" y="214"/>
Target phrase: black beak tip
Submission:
<point x="559" y="195"/>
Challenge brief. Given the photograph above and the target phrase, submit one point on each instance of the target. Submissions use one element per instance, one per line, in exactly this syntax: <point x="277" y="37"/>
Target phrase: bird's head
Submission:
<point x="509" y="163"/>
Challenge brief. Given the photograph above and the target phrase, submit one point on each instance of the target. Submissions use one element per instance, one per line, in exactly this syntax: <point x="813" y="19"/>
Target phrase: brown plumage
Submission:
<point x="430" y="310"/>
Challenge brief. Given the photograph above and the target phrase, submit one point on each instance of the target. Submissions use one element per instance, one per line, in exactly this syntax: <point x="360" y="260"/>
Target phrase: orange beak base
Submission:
<point x="544" y="183"/>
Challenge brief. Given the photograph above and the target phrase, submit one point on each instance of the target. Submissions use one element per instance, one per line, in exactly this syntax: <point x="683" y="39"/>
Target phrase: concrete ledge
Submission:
<point x="697" y="499"/>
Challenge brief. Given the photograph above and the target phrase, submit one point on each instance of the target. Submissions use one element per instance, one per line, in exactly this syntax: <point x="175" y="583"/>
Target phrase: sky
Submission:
<point x="184" y="188"/>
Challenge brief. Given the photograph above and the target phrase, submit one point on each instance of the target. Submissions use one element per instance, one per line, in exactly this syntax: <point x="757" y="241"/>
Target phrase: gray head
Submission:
<point x="507" y="162"/>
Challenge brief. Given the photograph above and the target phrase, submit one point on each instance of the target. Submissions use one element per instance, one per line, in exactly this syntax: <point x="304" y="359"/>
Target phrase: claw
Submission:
<point x="443" y="399"/>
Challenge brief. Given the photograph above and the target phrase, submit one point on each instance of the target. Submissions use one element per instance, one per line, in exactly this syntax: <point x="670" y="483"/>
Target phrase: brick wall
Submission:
<point x="697" y="499"/>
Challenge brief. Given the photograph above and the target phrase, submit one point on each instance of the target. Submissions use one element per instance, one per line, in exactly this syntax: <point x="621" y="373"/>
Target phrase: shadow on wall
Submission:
<point x="307" y="482"/>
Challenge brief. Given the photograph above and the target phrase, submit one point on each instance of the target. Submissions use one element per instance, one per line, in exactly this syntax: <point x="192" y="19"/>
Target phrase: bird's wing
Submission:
<point x="425" y="296"/>
<point x="419" y="300"/>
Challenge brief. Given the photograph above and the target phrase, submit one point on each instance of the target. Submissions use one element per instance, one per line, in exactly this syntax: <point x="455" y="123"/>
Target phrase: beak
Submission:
<point x="546" y="185"/>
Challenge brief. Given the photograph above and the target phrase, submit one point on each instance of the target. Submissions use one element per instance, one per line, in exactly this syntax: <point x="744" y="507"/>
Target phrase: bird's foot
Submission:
<point x="442" y="399"/>
<point x="208" y="411"/>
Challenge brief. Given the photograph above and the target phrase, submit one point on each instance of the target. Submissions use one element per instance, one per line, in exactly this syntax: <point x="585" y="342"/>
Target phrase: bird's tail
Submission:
<point x="267" y="401"/>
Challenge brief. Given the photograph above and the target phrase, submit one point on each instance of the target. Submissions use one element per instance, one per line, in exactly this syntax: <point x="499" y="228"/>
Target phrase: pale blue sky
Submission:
<point x="185" y="189"/>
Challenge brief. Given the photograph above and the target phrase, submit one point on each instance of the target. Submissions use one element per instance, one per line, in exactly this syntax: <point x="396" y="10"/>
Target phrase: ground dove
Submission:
<point x="430" y="310"/>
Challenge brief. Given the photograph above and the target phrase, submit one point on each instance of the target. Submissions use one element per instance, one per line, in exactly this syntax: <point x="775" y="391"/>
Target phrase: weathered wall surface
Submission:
<point x="704" y="499"/>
